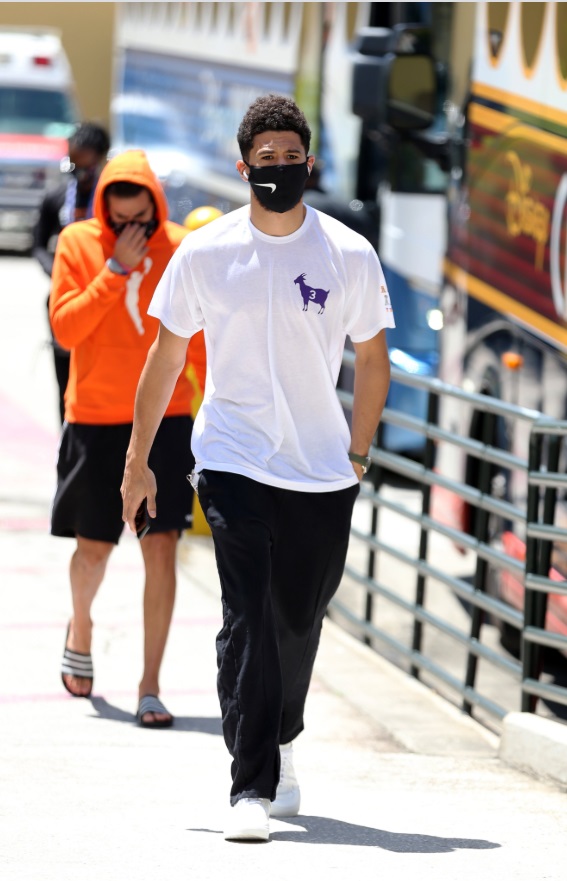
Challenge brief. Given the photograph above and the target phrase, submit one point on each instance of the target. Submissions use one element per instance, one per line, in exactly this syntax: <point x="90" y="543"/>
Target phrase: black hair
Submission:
<point x="90" y="136"/>
<point x="124" y="189"/>
<point x="272" y="113"/>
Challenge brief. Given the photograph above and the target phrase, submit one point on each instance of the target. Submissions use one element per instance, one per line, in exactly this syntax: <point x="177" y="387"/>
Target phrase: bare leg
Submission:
<point x="159" y="552"/>
<point x="87" y="568"/>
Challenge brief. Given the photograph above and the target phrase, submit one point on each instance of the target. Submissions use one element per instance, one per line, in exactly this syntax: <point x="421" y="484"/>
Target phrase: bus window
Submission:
<point x="412" y="92"/>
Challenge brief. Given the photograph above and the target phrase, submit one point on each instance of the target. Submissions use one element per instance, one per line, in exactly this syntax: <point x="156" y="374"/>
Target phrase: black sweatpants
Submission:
<point x="280" y="556"/>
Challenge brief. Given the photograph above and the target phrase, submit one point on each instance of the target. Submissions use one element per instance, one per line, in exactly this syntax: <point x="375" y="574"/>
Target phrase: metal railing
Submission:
<point x="468" y="504"/>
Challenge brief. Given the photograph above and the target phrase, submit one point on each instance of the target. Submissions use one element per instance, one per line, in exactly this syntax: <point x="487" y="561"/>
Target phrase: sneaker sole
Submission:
<point x="247" y="835"/>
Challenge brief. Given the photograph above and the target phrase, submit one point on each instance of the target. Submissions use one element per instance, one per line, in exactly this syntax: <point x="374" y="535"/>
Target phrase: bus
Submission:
<point x="504" y="297"/>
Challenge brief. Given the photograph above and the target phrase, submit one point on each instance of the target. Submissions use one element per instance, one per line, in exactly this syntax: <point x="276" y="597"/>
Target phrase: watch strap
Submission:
<point x="364" y="461"/>
<point x="116" y="267"/>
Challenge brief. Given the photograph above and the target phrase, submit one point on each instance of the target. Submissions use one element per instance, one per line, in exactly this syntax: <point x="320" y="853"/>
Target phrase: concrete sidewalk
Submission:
<point x="395" y="782"/>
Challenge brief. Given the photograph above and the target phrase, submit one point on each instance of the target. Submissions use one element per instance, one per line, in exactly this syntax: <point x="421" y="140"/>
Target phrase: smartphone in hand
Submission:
<point x="142" y="520"/>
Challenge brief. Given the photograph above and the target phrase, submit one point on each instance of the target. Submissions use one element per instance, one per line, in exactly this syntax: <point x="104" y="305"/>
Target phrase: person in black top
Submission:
<point x="70" y="201"/>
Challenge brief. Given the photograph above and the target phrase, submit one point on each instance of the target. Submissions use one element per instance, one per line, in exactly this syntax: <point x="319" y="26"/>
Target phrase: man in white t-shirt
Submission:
<point x="276" y="286"/>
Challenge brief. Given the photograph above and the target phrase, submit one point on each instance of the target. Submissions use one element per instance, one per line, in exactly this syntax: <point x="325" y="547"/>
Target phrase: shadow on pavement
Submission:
<point x="200" y="724"/>
<point x="324" y="830"/>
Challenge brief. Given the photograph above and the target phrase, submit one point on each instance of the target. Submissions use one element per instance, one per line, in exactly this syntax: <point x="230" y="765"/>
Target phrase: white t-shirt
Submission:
<point x="276" y="311"/>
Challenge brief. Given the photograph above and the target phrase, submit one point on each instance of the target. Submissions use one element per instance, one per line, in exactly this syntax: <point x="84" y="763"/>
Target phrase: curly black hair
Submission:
<point x="90" y="136"/>
<point x="272" y="113"/>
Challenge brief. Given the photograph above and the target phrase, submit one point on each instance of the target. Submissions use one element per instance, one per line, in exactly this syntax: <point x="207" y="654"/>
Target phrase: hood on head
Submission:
<point x="131" y="166"/>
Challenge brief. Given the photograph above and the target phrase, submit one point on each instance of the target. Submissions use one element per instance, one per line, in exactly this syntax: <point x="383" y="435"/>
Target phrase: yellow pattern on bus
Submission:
<point x="524" y="214"/>
<point x="514" y="102"/>
<point x="505" y="304"/>
<point x="504" y="124"/>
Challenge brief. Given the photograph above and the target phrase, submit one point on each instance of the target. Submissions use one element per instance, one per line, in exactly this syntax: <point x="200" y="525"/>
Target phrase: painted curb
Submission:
<point x="535" y="745"/>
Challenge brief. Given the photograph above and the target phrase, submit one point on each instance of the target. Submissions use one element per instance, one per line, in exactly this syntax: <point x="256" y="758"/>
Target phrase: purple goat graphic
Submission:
<point x="311" y="295"/>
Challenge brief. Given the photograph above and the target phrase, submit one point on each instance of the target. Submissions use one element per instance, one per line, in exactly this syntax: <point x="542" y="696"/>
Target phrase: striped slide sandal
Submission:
<point x="77" y="664"/>
<point x="150" y="703"/>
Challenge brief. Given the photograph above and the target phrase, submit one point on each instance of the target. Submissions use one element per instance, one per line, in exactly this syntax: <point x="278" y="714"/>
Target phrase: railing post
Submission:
<point x="548" y="518"/>
<point x="377" y="475"/>
<point x="429" y="462"/>
<point x="481" y="522"/>
<point x="529" y="655"/>
<point x="535" y="608"/>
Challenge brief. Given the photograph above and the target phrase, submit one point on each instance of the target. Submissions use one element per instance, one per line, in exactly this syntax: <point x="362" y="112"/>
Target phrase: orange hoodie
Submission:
<point x="102" y="317"/>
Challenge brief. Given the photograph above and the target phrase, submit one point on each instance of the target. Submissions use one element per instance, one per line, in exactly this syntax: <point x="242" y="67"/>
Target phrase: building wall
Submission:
<point x="87" y="31"/>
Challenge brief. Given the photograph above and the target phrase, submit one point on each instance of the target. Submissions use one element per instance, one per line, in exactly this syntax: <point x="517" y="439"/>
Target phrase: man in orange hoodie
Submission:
<point x="104" y="276"/>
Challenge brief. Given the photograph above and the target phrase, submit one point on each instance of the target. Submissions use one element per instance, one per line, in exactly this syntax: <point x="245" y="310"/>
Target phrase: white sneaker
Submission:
<point x="249" y="820"/>
<point x="286" y="802"/>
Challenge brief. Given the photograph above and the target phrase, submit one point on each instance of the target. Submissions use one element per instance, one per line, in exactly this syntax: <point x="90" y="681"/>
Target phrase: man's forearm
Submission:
<point x="371" y="384"/>
<point x="155" y="389"/>
<point x="164" y="363"/>
<point x="76" y="313"/>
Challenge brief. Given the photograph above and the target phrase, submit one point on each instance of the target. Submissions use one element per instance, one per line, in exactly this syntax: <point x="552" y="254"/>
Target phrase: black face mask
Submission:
<point x="149" y="227"/>
<point x="278" y="187"/>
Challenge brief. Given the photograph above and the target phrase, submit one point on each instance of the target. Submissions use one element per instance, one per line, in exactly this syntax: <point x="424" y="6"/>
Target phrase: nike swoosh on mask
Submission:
<point x="271" y="186"/>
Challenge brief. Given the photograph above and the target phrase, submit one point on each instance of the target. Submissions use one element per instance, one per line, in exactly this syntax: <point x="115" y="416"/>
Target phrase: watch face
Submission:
<point x="364" y="461"/>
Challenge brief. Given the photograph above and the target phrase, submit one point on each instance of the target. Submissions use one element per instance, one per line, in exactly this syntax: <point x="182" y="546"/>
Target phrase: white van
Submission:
<point x="38" y="112"/>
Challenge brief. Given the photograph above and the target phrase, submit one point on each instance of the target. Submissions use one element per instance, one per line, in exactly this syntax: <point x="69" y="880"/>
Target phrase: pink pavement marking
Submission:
<point x="116" y="625"/>
<point x="28" y="455"/>
<point x="23" y="524"/>
<point x="130" y="695"/>
<point x="51" y="697"/>
<point x="24" y="438"/>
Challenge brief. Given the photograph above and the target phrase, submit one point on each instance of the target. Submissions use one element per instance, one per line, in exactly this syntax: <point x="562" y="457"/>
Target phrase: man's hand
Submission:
<point x="164" y="363"/>
<point x="139" y="483"/>
<point x="131" y="245"/>
<point x="357" y="470"/>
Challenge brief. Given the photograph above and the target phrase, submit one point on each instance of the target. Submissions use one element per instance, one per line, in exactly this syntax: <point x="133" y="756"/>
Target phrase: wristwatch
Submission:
<point x="364" y="461"/>
<point x="115" y="266"/>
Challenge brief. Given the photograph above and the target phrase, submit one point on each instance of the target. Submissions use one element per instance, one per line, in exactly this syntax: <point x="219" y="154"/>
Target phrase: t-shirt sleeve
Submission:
<point x="175" y="302"/>
<point x="368" y="309"/>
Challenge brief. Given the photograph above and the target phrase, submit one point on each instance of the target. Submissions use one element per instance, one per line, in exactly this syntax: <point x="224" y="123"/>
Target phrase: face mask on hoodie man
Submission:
<point x="149" y="227"/>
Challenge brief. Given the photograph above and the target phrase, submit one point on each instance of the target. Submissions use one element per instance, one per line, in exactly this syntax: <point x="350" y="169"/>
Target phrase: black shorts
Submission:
<point x="89" y="476"/>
